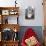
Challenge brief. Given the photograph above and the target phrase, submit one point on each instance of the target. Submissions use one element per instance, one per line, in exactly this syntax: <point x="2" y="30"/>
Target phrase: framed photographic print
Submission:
<point x="29" y="13"/>
<point x="5" y="12"/>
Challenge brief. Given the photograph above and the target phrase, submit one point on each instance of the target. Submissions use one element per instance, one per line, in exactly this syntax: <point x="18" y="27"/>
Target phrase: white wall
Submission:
<point x="37" y="4"/>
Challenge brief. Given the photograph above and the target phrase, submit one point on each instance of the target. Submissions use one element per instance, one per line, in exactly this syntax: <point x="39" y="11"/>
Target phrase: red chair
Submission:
<point x="29" y="33"/>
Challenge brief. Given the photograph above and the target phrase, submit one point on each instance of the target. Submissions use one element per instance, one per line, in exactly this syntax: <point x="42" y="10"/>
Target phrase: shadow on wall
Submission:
<point x="37" y="29"/>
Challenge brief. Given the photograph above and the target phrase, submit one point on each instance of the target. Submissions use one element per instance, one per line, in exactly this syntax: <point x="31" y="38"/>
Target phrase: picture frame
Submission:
<point x="29" y="13"/>
<point x="13" y="12"/>
<point x="5" y="12"/>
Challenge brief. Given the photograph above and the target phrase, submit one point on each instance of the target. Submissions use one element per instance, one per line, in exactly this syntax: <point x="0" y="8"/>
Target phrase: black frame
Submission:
<point x="29" y="10"/>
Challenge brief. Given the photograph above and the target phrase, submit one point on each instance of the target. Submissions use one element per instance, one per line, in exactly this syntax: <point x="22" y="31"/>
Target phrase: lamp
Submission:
<point x="29" y="13"/>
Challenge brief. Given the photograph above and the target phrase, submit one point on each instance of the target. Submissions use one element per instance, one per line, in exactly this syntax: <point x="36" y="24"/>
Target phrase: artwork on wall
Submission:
<point x="29" y="13"/>
<point x="5" y="12"/>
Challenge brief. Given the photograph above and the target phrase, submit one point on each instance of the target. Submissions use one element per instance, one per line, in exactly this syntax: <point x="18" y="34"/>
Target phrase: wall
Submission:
<point x="23" y="4"/>
<point x="37" y="4"/>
